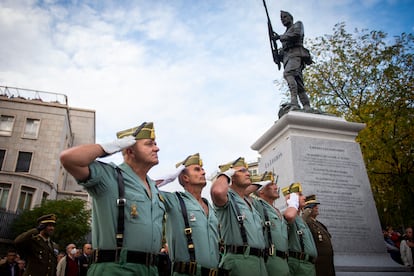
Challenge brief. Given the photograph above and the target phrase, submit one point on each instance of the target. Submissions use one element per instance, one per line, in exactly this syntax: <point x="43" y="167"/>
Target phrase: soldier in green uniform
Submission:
<point x="241" y="225"/>
<point x="276" y="234"/>
<point x="127" y="212"/>
<point x="36" y="247"/>
<point x="302" y="249"/>
<point x="325" y="262"/>
<point x="192" y="225"/>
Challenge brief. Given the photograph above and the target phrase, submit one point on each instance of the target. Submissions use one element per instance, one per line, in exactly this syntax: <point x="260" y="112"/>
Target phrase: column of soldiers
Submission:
<point x="241" y="233"/>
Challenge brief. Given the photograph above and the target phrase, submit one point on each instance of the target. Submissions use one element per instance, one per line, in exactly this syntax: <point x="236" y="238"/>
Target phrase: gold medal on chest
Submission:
<point x="134" y="212"/>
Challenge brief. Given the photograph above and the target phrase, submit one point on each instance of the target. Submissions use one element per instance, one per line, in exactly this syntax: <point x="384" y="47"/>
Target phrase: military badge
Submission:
<point x="134" y="212"/>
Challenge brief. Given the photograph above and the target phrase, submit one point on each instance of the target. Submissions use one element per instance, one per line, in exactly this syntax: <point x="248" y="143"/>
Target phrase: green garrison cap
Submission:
<point x="263" y="177"/>
<point x="191" y="160"/>
<point x="310" y="201"/>
<point x="144" y="131"/>
<point x="239" y="162"/>
<point x="292" y="188"/>
<point x="50" y="218"/>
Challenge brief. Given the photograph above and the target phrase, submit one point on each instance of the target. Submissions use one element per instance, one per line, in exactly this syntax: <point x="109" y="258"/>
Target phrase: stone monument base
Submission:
<point x="320" y="152"/>
<point x="370" y="264"/>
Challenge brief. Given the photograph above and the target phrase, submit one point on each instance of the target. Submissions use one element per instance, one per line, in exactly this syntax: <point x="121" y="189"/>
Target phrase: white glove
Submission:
<point x="171" y="177"/>
<point x="229" y="173"/>
<point x="293" y="201"/>
<point x="262" y="184"/>
<point x="118" y="144"/>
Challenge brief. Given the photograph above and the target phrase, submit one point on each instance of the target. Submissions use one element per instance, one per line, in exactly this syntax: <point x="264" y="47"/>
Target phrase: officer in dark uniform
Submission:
<point x="37" y="248"/>
<point x="324" y="263"/>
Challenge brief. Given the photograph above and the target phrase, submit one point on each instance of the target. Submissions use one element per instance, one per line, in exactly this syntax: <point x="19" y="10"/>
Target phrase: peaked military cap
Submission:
<point x="191" y="160"/>
<point x="50" y="218"/>
<point x="310" y="201"/>
<point x="239" y="162"/>
<point x="144" y="131"/>
<point x="292" y="188"/>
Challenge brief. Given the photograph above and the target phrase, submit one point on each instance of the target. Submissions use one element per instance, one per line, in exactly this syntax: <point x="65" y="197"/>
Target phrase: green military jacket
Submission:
<point x="204" y="230"/>
<point x="143" y="212"/>
<point x="300" y="226"/>
<point x="230" y="226"/>
<point x="278" y="227"/>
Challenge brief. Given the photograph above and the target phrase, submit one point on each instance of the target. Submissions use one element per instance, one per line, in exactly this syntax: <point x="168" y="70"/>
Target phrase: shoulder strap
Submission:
<point x="239" y="219"/>
<point x="267" y="225"/>
<point x="120" y="202"/>
<point x="187" y="229"/>
<point x="300" y="234"/>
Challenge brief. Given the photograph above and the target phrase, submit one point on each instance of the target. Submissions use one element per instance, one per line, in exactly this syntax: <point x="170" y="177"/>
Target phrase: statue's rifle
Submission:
<point x="273" y="44"/>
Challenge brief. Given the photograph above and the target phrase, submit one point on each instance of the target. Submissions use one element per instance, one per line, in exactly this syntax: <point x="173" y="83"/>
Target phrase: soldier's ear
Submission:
<point x="185" y="177"/>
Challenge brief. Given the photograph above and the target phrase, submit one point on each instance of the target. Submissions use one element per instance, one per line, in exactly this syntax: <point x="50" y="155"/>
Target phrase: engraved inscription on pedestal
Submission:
<point x="334" y="170"/>
<point x="321" y="153"/>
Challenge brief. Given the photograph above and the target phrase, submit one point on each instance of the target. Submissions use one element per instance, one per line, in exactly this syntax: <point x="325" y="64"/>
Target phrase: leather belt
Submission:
<point x="281" y="254"/>
<point x="190" y="268"/>
<point x="235" y="249"/>
<point x="302" y="256"/>
<point x="103" y="256"/>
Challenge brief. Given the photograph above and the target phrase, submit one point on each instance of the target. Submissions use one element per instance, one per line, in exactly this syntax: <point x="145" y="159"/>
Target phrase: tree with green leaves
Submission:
<point x="72" y="224"/>
<point x="368" y="78"/>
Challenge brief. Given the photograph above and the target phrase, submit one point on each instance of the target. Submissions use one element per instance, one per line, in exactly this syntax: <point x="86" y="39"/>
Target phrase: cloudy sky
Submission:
<point x="201" y="70"/>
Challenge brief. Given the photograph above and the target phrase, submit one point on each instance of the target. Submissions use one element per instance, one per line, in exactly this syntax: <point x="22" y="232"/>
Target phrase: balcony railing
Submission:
<point x="28" y="94"/>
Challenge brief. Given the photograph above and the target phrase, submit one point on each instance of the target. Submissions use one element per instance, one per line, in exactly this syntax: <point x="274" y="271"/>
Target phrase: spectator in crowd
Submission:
<point x="392" y="248"/>
<point x="10" y="267"/>
<point x="60" y="255"/>
<point x="395" y="236"/>
<point x="407" y="247"/>
<point x="68" y="265"/>
<point x="85" y="259"/>
<point x="37" y="248"/>
<point x="22" y="267"/>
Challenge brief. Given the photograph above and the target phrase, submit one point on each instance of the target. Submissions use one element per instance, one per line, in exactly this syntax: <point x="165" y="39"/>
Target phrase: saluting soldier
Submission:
<point x="276" y="233"/>
<point x="325" y="262"/>
<point x="37" y="248"/>
<point x="302" y="249"/>
<point x="127" y="211"/>
<point x="192" y="225"/>
<point x="241" y="224"/>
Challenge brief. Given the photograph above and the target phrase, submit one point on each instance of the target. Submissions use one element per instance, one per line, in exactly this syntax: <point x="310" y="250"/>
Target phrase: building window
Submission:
<point x="23" y="161"/>
<point x="31" y="130"/>
<point x="26" y="197"/>
<point x="2" y="155"/>
<point x="4" y="195"/>
<point x="6" y="125"/>
<point x="44" y="196"/>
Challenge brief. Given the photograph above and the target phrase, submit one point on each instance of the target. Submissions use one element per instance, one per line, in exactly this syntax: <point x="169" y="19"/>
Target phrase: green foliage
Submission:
<point x="72" y="223"/>
<point x="366" y="77"/>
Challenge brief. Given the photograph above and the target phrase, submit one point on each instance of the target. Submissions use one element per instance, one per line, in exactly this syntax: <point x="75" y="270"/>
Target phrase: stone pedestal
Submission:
<point x="320" y="152"/>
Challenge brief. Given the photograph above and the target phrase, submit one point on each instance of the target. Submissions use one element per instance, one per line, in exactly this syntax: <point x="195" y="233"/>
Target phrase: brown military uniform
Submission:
<point x="324" y="262"/>
<point x="39" y="253"/>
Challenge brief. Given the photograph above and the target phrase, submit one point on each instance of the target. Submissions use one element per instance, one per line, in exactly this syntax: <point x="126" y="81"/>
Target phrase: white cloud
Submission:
<point x="201" y="70"/>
